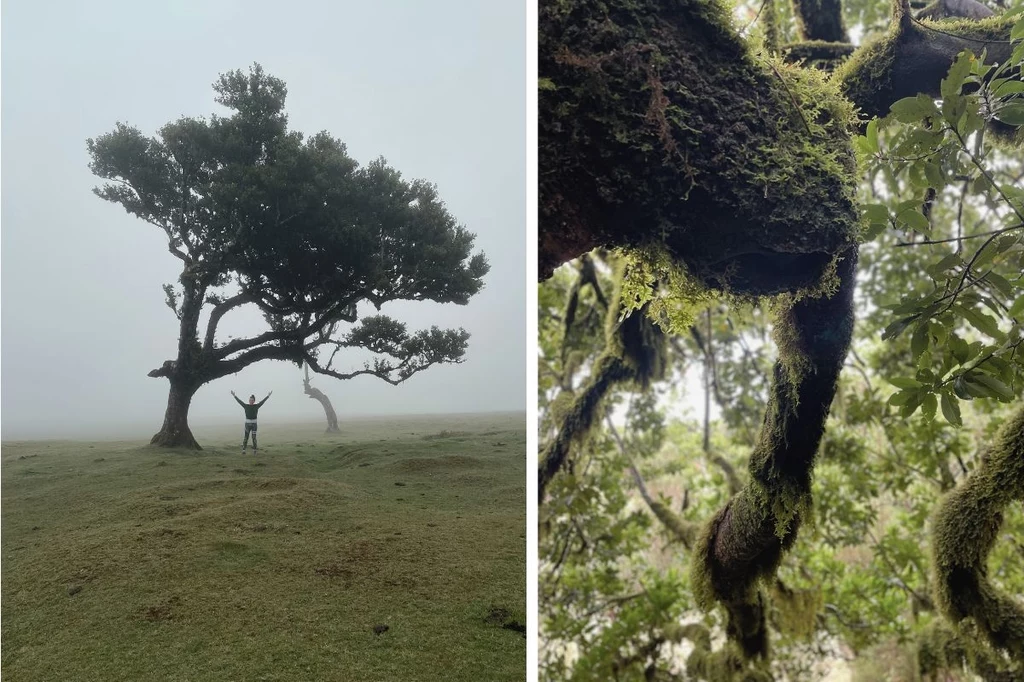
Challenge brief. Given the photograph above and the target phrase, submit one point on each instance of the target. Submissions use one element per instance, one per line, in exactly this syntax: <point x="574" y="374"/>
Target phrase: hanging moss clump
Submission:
<point x="964" y="530"/>
<point x="658" y="127"/>
<point x="795" y="611"/>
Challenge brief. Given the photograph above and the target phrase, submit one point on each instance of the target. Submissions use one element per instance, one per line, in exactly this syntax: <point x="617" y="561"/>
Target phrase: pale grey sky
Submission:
<point x="437" y="88"/>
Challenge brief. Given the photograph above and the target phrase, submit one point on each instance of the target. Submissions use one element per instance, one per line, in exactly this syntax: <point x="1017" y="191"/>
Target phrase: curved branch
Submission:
<point x="236" y="364"/>
<point x="964" y="531"/>
<point x="218" y="312"/>
<point x="300" y="333"/>
<point x="683" y="530"/>
<point x="406" y="369"/>
<point x="744" y="542"/>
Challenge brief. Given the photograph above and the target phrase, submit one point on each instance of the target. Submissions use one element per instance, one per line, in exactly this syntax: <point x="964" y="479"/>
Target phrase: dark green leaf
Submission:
<point x="928" y="406"/>
<point x="951" y="410"/>
<point x="984" y="323"/>
<point x="1011" y="114"/>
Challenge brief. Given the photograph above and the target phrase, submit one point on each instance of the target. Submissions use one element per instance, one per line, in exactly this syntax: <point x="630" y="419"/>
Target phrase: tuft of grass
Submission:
<point x="126" y="562"/>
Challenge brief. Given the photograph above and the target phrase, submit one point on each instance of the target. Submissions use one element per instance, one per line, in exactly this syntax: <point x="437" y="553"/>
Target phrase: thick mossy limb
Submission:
<point x="795" y="611"/>
<point x="914" y="57"/>
<point x="964" y="530"/>
<point x="684" y="531"/>
<point x="659" y="127"/>
<point x="744" y="542"/>
<point x="725" y="665"/>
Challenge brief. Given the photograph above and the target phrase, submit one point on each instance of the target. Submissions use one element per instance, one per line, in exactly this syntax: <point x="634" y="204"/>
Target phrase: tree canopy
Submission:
<point x="260" y="215"/>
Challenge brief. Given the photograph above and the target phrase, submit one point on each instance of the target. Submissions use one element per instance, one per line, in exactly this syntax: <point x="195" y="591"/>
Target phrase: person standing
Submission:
<point x="251" y="409"/>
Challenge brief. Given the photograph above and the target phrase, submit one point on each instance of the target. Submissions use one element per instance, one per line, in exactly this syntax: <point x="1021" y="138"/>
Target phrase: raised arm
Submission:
<point x="260" y="403"/>
<point x="237" y="400"/>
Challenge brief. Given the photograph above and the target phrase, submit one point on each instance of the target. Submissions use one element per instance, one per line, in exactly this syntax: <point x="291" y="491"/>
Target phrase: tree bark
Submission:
<point x="175" y="432"/>
<point x="325" y="402"/>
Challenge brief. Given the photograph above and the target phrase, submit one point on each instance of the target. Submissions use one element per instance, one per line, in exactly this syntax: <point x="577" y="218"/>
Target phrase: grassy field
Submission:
<point x="122" y="562"/>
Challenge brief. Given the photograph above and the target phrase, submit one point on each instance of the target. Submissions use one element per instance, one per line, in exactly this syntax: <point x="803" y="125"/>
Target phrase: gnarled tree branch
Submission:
<point x="746" y="539"/>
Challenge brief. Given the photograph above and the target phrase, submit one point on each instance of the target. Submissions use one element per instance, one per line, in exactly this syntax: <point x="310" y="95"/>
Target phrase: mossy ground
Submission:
<point x="127" y="562"/>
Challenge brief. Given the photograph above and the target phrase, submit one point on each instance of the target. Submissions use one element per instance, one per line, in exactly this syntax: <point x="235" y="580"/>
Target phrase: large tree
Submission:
<point x="260" y="216"/>
<point x="723" y="165"/>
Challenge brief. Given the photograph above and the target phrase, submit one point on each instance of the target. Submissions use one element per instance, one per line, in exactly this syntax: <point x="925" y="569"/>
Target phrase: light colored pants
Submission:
<point x="250" y="426"/>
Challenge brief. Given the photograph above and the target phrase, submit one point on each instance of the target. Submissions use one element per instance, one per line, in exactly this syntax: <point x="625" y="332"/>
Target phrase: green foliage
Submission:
<point x="965" y="320"/>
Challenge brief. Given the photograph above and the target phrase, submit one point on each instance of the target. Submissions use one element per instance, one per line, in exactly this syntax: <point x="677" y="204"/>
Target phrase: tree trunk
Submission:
<point x="325" y="402"/>
<point x="175" y="432"/>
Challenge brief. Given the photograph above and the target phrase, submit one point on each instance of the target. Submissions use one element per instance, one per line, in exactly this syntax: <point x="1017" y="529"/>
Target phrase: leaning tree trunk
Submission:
<point x="175" y="431"/>
<point x="325" y="402"/>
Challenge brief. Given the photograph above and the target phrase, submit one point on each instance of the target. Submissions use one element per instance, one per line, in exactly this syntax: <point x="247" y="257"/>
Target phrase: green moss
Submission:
<point x="653" y="279"/>
<point x="796" y="610"/>
<point x="869" y="71"/>
<point x="964" y="530"/>
<point x="715" y="666"/>
<point x="940" y="648"/>
<point x="991" y="29"/>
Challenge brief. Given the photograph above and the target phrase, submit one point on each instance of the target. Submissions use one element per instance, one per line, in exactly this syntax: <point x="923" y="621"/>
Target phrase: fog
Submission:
<point x="436" y="88"/>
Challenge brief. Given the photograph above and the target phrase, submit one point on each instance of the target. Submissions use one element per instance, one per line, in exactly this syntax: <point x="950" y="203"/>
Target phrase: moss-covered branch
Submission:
<point x="915" y="56"/>
<point x="659" y="127"/>
<point x="745" y="541"/>
<point x="969" y="9"/>
<point x="965" y="528"/>
<point x="609" y="370"/>
<point x="635" y="351"/>
<point x="684" y="531"/>
<point x="940" y="648"/>
<point x="818" y="53"/>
